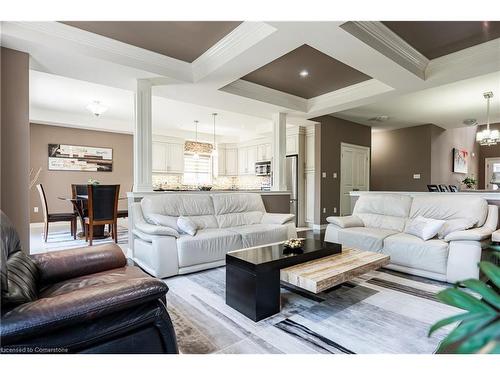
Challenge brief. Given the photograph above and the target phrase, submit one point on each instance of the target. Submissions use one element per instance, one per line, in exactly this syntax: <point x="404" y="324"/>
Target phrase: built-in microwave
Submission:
<point x="263" y="168"/>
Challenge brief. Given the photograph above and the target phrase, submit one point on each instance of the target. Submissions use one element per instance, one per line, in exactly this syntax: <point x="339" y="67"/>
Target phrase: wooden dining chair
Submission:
<point x="453" y="188"/>
<point x="443" y="188"/>
<point x="102" y="209"/>
<point x="54" y="217"/>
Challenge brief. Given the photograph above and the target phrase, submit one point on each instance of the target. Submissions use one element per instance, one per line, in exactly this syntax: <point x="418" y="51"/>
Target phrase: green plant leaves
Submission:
<point x="479" y="330"/>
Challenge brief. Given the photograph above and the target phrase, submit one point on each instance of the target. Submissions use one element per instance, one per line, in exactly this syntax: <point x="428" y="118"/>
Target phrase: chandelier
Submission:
<point x="488" y="137"/>
<point x="197" y="148"/>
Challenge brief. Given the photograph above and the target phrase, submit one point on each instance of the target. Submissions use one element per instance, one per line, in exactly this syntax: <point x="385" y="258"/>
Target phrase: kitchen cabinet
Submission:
<point x="168" y="157"/>
<point x="231" y="162"/>
<point x="264" y="152"/>
<point x="247" y="156"/>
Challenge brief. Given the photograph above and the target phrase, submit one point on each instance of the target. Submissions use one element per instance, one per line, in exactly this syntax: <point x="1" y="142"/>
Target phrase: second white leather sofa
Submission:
<point x="378" y="224"/>
<point x="224" y="222"/>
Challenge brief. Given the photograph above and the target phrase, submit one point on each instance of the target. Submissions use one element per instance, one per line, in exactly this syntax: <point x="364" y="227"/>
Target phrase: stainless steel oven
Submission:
<point x="263" y="168"/>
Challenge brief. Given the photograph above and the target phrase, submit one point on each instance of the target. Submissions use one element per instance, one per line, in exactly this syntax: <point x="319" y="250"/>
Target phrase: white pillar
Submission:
<point x="279" y="152"/>
<point x="143" y="137"/>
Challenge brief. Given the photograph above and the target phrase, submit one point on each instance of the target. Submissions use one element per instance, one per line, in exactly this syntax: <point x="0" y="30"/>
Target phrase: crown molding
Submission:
<point x="350" y="94"/>
<point x="380" y="37"/>
<point x="56" y="35"/>
<point x="265" y="94"/>
<point x="236" y="42"/>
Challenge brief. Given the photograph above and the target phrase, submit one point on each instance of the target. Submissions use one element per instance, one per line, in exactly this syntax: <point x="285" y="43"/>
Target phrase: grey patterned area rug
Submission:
<point x="381" y="312"/>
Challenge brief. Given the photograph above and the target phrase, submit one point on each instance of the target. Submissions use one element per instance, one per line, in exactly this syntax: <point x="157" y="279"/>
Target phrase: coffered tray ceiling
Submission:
<point x="438" y="38"/>
<point x="184" y="41"/>
<point x="325" y="74"/>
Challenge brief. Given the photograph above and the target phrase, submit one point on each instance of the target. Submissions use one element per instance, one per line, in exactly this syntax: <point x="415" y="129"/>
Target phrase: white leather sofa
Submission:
<point x="224" y="221"/>
<point x="378" y="223"/>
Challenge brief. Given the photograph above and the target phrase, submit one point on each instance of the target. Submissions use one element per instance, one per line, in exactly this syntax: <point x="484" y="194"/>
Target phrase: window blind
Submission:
<point x="197" y="171"/>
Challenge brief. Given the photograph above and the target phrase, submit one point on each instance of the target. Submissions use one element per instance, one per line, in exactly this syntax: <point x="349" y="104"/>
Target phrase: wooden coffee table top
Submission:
<point x="324" y="273"/>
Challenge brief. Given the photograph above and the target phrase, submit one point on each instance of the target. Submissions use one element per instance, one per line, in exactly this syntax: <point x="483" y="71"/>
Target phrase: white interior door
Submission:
<point x="490" y="165"/>
<point x="354" y="173"/>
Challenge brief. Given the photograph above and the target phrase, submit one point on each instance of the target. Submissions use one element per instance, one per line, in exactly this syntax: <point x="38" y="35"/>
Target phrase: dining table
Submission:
<point x="78" y="205"/>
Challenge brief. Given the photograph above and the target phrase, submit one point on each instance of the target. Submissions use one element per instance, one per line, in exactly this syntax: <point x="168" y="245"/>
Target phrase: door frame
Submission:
<point x="359" y="147"/>
<point x="486" y="161"/>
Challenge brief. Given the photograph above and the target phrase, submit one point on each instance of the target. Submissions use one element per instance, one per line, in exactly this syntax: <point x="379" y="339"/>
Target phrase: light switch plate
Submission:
<point x="324" y="210"/>
<point x="416" y="176"/>
<point x="323" y="174"/>
<point x="334" y="174"/>
<point x="35" y="209"/>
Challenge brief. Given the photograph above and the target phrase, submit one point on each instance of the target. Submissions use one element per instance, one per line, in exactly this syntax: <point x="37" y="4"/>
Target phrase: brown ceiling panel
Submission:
<point x="438" y="38"/>
<point x="182" y="40"/>
<point x="325" y="73"/>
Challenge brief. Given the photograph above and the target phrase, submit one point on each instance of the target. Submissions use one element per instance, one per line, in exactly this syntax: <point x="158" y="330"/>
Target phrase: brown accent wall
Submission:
<point x="486" y="152"/>
<point x="58" y="183"/>
<point x="15" y="140"/>
<point x="443" y="142"/>
<point x="426" y="150"/>
<point x="399" y="154"/>
<point x="329" y="135"/>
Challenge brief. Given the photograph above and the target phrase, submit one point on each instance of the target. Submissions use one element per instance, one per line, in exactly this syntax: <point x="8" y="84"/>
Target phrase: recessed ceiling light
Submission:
<point x="97" y="108"/>
<point x="470" y="121"/>
<point x="304" y="73"/>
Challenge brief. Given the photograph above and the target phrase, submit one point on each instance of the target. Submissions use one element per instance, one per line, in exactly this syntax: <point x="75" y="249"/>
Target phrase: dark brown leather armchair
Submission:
<point x="85" y="300"/>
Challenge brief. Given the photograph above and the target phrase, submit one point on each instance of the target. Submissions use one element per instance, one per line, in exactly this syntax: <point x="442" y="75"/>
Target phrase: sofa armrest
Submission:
<point x="475" y="234"/>
<point x="269" y="218"/>
<point x="66" y="264"/>
<point x="75" y="308"/>
<point x="156" y="230"/>
<point x="345" y="221"/>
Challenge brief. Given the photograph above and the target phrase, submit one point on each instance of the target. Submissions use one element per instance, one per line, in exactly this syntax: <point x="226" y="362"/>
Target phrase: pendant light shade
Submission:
<point x="488" y="137"/>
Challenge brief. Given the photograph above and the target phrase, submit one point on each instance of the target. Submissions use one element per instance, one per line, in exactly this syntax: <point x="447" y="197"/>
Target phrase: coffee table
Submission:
<point x="253" y="275"/>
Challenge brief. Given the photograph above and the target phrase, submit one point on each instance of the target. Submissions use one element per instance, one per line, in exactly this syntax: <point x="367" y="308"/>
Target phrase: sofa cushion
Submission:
<point x="186" y="225"/>
<point x="178" y="204"/>
<point x="447" y="207"/>
<point x="261" y="234"/>
<point x="236" y="219"/>
<point x="237" y="202"/>
<point x="410" y="251"/>
<point x="23" y="276"/>
<point x="386" y="211"/>
<point x="362" y="238"/>
<point x="208" y="245"/>
<point x="455" y="225"/>
<point x="424" y="227"/>
<point x="115" y="275"/>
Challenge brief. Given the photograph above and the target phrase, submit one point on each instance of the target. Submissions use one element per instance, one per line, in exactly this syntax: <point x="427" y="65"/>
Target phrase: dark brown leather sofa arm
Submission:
<point x="66" y="264"/>
<point x="46" y="314"/>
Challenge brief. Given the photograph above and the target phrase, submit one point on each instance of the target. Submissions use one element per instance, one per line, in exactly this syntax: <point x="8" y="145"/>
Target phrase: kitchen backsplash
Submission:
<point x="219" y="183"/>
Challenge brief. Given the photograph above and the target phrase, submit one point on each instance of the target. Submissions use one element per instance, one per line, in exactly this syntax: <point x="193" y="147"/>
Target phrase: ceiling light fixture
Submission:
<point x="470" y="121"/>
<point x="488" y="137"/>
<point x="97" y="108"/>
<point x="380" y="118"/>
<point x="195" y="147"/>
<point x="303" y="73"/>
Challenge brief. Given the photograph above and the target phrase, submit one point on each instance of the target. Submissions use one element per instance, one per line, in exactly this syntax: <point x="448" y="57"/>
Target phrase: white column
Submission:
<point x="143" y="137"/>
<point x="279" y="152"/>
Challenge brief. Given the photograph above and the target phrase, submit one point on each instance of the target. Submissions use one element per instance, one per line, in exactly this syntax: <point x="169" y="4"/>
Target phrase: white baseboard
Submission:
<point x="318" y="227"/>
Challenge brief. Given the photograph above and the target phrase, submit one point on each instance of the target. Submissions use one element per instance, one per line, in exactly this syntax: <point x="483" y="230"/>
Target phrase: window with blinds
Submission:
<point x="197" y="171"/>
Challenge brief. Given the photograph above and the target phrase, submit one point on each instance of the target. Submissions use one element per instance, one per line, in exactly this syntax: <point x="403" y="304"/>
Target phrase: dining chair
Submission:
<point x="453" y="188"/>
<point x="433" y="188"/>
<point x="102" y="209"/>
<point x="443" y="188"/>
<point x="54" y="217"/>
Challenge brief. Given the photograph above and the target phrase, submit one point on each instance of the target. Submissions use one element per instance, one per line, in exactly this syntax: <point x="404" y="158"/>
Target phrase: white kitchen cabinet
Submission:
<point x="264" y="152"/>
<point x="251" y="159"/>
<point x="242" y="160"/>
<point x="231" y="162"/>
<point x="269" y="151"/>
<point x="167" y="157"/>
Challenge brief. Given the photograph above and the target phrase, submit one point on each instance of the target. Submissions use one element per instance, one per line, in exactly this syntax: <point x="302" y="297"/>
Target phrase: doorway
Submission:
<point x="354" y="173"/>
<point x="491" y="165"/>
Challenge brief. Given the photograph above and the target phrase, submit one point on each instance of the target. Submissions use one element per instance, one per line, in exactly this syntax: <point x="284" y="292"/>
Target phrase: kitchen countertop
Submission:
<point x="488" y="195"/>
<point x="258" y="191"/>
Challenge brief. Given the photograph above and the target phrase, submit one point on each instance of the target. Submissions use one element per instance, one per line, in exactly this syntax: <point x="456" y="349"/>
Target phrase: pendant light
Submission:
<point x="214" y="149"/>
<point x="488" y="137"/>
<point x="196" y="156"/>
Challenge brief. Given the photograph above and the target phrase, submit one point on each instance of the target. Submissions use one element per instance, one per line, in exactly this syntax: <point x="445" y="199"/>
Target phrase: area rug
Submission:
<point x="381" y="312"/>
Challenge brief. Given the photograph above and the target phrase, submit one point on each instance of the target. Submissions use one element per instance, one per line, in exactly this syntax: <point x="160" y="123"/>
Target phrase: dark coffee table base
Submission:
<point x="255" y="295"/>
<point x="253" y="276"/>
